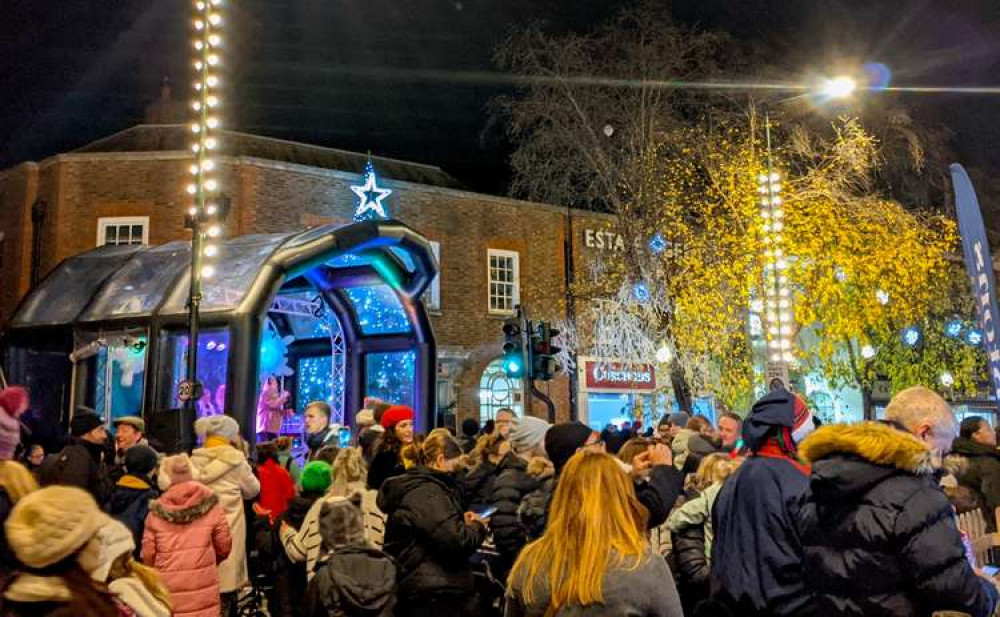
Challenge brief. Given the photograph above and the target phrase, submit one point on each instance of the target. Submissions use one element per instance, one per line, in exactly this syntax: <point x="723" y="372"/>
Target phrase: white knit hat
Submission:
<point x="51" y="524"/>
<point x="222" y="426"/>
<point x="116" y="540"/>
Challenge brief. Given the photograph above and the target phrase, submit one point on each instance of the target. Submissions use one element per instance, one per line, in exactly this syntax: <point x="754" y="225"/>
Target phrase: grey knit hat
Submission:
<point x="223" y="426"/>
<point x="341" y="522"/>
<point x="528" y="433"/>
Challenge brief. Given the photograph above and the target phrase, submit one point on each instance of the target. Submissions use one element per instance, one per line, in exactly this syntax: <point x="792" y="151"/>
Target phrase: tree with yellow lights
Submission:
<point x="603" y="125"/>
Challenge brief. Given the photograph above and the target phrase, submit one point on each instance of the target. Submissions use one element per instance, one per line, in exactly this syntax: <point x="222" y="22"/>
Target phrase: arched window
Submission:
<point x="497" y="391"/>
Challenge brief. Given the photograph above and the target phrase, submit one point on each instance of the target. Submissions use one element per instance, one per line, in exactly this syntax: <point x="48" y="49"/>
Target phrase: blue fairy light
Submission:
<point x="953" y="328"/>
<point x="974" y="337"/>
<point x="911" y="336"/>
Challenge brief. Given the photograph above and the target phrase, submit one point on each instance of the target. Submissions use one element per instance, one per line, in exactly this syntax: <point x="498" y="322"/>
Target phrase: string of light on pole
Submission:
<point x="777" y="294"/>
<point x="204" y="213"/>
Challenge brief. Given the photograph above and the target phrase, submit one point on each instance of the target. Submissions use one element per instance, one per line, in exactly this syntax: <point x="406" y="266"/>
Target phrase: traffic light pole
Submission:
<point x="544" y="398"/>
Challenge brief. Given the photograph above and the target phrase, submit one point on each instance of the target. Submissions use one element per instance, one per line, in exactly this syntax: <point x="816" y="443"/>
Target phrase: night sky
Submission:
<point x="342" y="72"/>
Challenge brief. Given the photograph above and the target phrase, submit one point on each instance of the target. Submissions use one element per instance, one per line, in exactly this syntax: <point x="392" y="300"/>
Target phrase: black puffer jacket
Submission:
<point x="879" y="536"/>
<point x="476" y="485"/>
<point x="516" y="479"/>
<point x="690" y="565"/>
<point x="385" y="465"/>
<point x="426" y="534"/>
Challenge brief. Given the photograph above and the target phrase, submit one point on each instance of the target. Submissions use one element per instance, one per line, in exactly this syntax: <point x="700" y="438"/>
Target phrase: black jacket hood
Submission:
<point x="775" y="409"/>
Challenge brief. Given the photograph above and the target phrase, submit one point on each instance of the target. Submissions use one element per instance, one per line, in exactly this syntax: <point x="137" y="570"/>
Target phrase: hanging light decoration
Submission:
<point x="777" y="294"/>
<point x="204" y="214"/>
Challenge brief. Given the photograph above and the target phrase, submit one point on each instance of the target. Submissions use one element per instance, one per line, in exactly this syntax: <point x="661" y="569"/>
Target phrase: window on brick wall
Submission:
<point x="122" y="230"/>
<point x="504" y="281"/>
<point x="432" y="297"/>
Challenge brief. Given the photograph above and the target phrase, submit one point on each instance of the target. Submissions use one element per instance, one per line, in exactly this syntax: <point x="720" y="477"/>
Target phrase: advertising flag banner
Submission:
<point x="979" y="264"/>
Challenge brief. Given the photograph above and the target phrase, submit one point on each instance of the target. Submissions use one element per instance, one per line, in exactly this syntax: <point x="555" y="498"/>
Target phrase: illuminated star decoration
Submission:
<point x="371" y="197"/>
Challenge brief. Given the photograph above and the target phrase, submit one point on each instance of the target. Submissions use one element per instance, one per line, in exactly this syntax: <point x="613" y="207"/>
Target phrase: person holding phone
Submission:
<point x="428" y="533"/>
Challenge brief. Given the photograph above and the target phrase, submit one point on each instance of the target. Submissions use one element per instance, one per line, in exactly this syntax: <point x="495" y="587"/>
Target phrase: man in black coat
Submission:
<point x="977" y="445"/>
<point x="879" y="536"/>
<point x="81" y="463"/>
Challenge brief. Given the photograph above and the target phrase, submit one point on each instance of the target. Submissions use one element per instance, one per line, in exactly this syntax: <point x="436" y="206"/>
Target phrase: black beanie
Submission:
<point x="140" y="460"/>
<point x="562" y="441"/>
<point x="470" y="426"/>
<point x="84" y="421"/>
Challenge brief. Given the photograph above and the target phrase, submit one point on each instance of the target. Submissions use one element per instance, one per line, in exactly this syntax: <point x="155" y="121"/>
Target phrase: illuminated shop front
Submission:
<point x="334" y="313"/>
<point x="614" y="392"/>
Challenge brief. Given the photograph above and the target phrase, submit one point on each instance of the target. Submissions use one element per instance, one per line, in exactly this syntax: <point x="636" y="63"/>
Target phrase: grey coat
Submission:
<point x="646" y="591"/>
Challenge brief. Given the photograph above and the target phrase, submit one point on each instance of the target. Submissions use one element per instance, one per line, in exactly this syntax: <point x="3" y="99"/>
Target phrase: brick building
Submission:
<point x="129" y="188"/>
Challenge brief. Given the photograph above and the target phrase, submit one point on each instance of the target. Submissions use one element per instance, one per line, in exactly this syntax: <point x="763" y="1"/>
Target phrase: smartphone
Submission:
<point x="485" y="512"/>
<point x="991" y="570"/>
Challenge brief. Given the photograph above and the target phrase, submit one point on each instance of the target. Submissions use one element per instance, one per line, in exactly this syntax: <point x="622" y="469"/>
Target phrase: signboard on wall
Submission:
<point x="606" y="375"/>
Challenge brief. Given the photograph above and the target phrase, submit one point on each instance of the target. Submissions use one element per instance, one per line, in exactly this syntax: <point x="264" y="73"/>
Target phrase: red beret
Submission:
<point x="396" y="414"/>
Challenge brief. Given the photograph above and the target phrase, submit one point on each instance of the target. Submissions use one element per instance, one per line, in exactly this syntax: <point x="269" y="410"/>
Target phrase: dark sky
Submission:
<point x="340" y="72"/>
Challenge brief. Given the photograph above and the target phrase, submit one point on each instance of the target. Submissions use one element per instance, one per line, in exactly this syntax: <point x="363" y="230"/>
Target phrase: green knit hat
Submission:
<point x="316" y="477"/>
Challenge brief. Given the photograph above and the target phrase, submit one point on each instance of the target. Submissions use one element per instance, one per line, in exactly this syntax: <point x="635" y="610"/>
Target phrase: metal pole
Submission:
<point x="571" y="311"/>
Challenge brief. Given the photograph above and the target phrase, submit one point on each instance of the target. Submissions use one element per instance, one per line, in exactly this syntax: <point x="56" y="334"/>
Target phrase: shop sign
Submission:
<point x="602" y="375"/>
<point x="602" y="240"/>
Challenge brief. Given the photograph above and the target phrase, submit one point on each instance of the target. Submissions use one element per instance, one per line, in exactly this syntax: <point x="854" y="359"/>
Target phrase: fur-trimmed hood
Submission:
<point x="877" y="443"/>
<point x="184" y="503"/>
<point x="540" y="468"/>
<point x="849" y="459"/>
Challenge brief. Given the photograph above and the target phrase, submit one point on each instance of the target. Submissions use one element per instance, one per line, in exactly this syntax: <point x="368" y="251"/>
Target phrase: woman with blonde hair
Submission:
<point x="594" y="558"/>
<point x="691" y="531"/>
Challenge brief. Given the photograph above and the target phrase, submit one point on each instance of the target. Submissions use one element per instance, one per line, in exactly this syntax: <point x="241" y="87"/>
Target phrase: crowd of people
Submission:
<point x="766" y="514"/>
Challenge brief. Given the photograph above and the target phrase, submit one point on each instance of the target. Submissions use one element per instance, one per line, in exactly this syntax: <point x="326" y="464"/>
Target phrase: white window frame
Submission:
<point x="116" y="221"/>
<point x="516" y="291"/>
<point x="432" y="297"/>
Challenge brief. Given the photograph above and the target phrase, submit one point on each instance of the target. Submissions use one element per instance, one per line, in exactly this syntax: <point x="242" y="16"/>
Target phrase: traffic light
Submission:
<point x="544" y="365"/>
<point x="513" y="349"/>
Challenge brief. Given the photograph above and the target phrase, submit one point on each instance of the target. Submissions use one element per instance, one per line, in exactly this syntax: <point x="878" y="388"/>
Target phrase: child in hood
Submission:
<point x="185" y="539"/>
<point x="129" y="501"/>
<point x="356" y="578"/>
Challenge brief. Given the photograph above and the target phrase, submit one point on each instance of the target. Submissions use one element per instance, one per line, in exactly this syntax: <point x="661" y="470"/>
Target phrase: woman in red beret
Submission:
<point x="398" y="424"/>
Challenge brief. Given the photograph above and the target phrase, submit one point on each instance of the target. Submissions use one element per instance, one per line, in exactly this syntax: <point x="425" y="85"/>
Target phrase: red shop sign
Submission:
<point x="619" y="376"/>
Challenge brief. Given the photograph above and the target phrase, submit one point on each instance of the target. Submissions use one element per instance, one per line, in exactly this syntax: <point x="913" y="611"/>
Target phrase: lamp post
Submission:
<point x="778" y="301"/>
<point x="203" y="214"/>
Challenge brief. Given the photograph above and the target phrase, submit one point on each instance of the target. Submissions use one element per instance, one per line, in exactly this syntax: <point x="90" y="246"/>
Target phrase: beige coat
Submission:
<point x="226" y="471"/>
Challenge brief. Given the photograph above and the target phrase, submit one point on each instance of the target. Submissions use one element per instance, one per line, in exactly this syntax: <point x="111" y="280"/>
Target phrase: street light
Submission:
<point x="838" y="87"/>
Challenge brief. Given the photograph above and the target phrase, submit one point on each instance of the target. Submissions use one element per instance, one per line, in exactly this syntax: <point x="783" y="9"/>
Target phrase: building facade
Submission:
<point x="494" y="253"/>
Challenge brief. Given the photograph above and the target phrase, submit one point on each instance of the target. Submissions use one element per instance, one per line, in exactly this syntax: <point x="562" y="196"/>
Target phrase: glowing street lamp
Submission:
<point x="838" y="87"/>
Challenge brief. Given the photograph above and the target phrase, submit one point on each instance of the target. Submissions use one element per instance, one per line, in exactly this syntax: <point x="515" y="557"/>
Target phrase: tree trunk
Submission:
<point x="682" y="390"/>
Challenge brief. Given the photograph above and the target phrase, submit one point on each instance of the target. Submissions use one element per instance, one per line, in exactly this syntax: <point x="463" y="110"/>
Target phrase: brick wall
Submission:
<point x="274" y="197"/>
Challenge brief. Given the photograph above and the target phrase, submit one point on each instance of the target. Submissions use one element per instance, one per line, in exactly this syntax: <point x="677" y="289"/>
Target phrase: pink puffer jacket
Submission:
<point x="185" y="538"/>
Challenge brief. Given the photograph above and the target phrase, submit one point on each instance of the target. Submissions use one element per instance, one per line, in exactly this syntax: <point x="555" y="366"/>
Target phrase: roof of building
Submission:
<point x="176" y="137"/>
